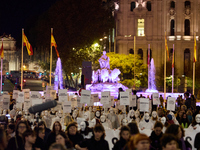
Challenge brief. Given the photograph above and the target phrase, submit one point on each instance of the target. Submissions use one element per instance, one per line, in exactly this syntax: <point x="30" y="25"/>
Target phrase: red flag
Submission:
<point x="53" y="43"/>
<point x="2" y="51"/>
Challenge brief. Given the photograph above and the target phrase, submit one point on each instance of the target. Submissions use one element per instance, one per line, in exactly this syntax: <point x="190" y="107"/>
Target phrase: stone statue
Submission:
<point x="104" y="61"/>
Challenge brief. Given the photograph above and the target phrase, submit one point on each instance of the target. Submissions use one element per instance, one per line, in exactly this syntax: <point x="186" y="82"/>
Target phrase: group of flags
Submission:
<point x="29" y="47"/>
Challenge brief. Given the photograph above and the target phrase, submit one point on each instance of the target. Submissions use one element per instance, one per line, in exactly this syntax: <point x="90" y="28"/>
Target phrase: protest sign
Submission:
<point x="73" y="99"/>
<point x="105" y="97"/>
<point x="15" y="94"/>
<point x="95" y="97"/>
<point x="27" y="104"/>
<point x="18" y="105"/>
<point x="156" y="100"/>
<point x="20" y="98"/>
<point x="35" y="94"/>
<point x="62" y="95"/>
<point x="58" y="107"/>
<point x="171" y="101"/>
<point x="85" y="96"/>
<point x="26" y="93"/>
<point x="144" y="104"/>
<point x="67" y="107"/>
<point x="79" y="104"/>
<point x="36" y="101"/>
<point x="124" y="98"/>
<point x="53" y="94"/>
<point x="130" y="94"/>
<point x="133" y="101"/>
<point x="6" y="101"/>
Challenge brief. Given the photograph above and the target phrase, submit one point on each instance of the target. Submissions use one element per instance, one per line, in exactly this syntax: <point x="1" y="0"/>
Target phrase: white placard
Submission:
<point x="156" y="100"/>
<point x="95" y="97"/>
<point x="67" y="107"/>
<point x="171" y="101"/>
<point x="47" y="99"/>
<point x="130" y="93"/>
<point x="35" y="94"/>
<point x="26" y="93"/>
<point x="85" y="97"/>
<point x="18" y="105"/>
<point x="6" y="101"/>
<point x="36" y="101"/>
<point x="73" y="99"/>
<point x="5" y="93"/>
<point x="62" y="95"/>
<point x="58" y="107"/>
<point x="133" y="101"/>
<point x="111" y="102"/>
<point x="79" y="104"/>
<point x="20" y="98"/>
<point x="53" y="94"/>
<point x="49" y="88"/>
<point x="15" y="94"/>
<point x="27" y="104"/>
<point x="105" y="97"/>
<point x="144" y="104"/>
<point x="124" y="98"/>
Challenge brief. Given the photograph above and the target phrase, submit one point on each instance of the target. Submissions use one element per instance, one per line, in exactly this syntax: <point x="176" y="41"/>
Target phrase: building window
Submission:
<point x="172" y="27"/>
<point x="187" y="27"/>
<point x="172" y="4"/>
<point x="187" y="4"/>
<point x="186" y="62"/>
<point x="150" y="56"/>
<point x="132" y="6"/>
<point x="149" y="6"/>
<point x="131" y="51"/>
<point x="140" y="52"/>
<point x="141" y="27"/>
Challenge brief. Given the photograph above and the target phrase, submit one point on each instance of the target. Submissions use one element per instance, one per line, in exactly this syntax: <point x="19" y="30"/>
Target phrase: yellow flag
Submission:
<point x="195" y="48"/>
<point x="2" y="51"/>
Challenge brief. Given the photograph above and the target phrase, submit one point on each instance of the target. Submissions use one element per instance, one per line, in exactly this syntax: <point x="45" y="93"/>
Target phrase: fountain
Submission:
<point x="58" y="80"/>
<point x="105" y="79"/>
<point x="151" y="78"/>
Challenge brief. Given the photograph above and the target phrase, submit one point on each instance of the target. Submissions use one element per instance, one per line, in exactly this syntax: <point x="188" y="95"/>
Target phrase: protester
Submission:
<point x="156" y="134"/>
<point x="124" y="138"/>
<point x="29" y="138"/>
<point x="57" y="146"/>
<point x="3" y="140"/>
<point x="62" y="139"/>
<point x="42" y="124"/>
<point x="17" y="141"/>
<point x="10" y="130"/>
<point x="52" y="135"/>
<point x="133" y="128"/>
<point x="169" y="142"/>
<point x="40" y="133"/>
<point x="184" y="122"/>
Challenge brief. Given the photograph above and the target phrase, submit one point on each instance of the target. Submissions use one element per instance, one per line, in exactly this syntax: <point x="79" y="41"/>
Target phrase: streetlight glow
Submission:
<point x="96" y="44"/>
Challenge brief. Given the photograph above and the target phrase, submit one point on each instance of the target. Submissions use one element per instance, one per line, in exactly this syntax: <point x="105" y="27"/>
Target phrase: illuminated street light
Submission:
<point x="100" y="39"/>
<point x="105" y="37"/>
<point x="96" y="45"/>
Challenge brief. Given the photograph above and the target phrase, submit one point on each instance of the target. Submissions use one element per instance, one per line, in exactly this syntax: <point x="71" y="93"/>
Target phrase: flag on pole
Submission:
<point x="2" y="51"/>
<point x="28" y="45"/>
<point x="173" y="59"/>
<point x="195" y="49"/>
<point x="53" y="43"/>
<point x="166" y="47"/>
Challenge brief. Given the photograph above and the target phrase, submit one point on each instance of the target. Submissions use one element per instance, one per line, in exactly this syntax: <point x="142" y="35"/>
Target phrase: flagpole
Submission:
<point x="193" y="87"/>
<point x="50" y="60"/>
<point x="173" y="71"/>
<point x="134" y="64"/>
<point x="22" y="60"/>
<point x="1" y="68"/>
<point x="165" y="73"/>
<point x="148" y="64"/>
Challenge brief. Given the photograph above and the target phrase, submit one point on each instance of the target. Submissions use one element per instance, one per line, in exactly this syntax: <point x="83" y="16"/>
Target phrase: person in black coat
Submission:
<point x="39" y="143"/>
<point x="156" y="135"/>
<point x="17" y="141"/>
<point x="97" y="142"/>
<point x="47" y="130"/>
<point x="124" y="138"/>
<point x="74" y="136"/>
<point x="52" y="135"/>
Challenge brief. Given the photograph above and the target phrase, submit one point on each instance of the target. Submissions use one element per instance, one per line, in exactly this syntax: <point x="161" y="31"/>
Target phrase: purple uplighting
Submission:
<point x="58" y="80"/>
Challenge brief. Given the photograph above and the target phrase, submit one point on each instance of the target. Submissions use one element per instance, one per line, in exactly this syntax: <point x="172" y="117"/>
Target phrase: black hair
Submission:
<point x="172" y="129"/>
<point x="2" y="138"/>
<point x="187" y="94"/>
<point x="68" y="143"/>
<point x="124" y="128"/>
<point x="12" y="126"/>
<point x="167" y="138"/>
<point x="99" y="128"/>
<point x="21" y="122"/>
<point x="38" y="130"/>
<point x="42" y="123"/>
<point x="133" y="128"/>
<point x="57" y="146"/>
<point x="28" y="133"/>
<point x="158" y="124"/>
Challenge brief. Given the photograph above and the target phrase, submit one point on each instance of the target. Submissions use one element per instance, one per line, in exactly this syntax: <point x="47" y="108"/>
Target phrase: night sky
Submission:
<point x="15" y="13"/>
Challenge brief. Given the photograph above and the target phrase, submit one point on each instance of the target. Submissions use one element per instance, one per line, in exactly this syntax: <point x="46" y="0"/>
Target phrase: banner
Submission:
<point x="62" y="95"/>
<point x="156" y="100"/>
<point x="85" y="96"/>
<point x="20" y="98"/>
<point x="171" y="101"/>
<point x="133" y="101"/>
<point x="6" y="102"/>
<point x="15" y="94"/>
<point x="105" y="97"/>
<point x="124" y="98"/>
<point x="144" y="104"/>
<point x="67" y="107"/>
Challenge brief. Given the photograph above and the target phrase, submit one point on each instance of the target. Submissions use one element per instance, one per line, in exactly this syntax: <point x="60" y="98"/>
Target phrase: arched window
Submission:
<point x="187" y="27"/>
<point x="172" y="4"/>
<point x="140" y="52"/>
<point x="131" y="51"/>
<point x="187" y="62"/>
<point x="149" y="6"/>
<point x="172" y="27"/>
<point x="132" y="6"/>
<point x="187" y="4"/>
<point x="150" y="56"/>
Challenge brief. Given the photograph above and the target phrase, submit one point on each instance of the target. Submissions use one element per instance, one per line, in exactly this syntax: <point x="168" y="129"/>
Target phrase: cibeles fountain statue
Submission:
<point x="105" y="79"/>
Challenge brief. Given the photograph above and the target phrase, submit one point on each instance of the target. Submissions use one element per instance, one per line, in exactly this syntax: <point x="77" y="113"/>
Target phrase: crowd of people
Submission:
<point x="85" y="128"/>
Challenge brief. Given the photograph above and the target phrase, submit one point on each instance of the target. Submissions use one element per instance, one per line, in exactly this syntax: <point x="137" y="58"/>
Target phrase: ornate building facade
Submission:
<point x="148" y="20"/>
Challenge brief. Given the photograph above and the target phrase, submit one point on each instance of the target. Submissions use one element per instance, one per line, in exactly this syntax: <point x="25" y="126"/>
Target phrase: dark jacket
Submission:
<point x="15" y="143"/>
<point x="196" y="141"/>
<point x="155" y="141"/>
<point x="47" y="132"/>
<point x="92" y="144"/>
<point x="119" y="145"/>
<point x="39" y="143"/>
<point x="75" y="139"/>
<point x="188" y="103"/>
<point x="50" y="140"/>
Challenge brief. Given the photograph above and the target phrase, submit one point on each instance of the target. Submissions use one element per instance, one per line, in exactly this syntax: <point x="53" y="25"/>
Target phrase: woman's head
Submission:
<point x="139" y="142"/>
<point x="42" y="124"/>
<point x="57" y="127"/>
<point x="40" y="132"/>
<point x="61" y="138"/>
<point x="57" y="146"/>
<point x="99" y="132"/>
<point x="133" y="128"/>
<point x="125" y="133"/>
<point x="169" y="142"/>
<point x="21" y="127"/>
<point x="176" y="130"/>
<point x="158" y="128"/>
<point x="3" y="140"/>
<point x="72" y="128"/>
